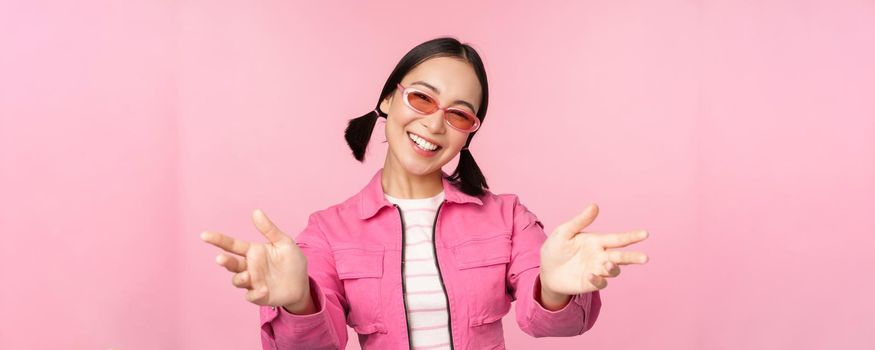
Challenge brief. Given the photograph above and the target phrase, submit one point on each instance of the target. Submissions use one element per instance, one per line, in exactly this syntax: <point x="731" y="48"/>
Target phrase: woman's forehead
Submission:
<point x="450" y="78"/>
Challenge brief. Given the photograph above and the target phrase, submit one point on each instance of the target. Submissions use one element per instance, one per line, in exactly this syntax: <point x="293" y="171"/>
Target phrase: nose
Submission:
<point x="435" y="122"/>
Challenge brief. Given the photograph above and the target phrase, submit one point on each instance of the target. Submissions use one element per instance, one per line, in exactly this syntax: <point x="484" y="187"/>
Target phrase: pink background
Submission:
<point x="741" y="134"/>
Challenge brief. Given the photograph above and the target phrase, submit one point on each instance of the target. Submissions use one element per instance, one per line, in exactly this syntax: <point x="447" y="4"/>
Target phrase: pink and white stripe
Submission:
<point x="426" y="301"/>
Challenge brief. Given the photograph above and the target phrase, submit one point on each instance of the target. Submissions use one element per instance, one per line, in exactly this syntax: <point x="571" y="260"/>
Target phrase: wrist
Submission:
<point x="305" y="305"/>
<point x="552" y="300"/>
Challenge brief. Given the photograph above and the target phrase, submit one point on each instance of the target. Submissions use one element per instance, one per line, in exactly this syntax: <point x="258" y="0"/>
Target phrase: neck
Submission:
<point x="400" y="183"/>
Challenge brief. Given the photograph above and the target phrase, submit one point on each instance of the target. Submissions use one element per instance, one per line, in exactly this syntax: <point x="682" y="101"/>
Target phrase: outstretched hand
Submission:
<point x="575" y="262"/>
<point x="272" y="273"/>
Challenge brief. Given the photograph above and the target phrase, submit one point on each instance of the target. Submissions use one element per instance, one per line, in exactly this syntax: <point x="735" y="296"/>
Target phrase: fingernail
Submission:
<point x="204" y="235"/>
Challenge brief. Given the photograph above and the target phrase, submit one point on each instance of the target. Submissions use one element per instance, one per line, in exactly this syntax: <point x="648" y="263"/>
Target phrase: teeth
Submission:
<point x="428" y="146"/>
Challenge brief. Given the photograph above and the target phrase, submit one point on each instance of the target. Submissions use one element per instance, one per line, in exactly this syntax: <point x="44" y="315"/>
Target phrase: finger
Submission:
<point x="626" y="258"/>
<point x="266" y="227"/>
<point x="256" y="277"/>
<point x="241" y="280"/>
<point x="608" y="269"/>
<point x="619" y="240"/>
<point x="611" y="269"/>
<point x="257" y="296"/>
<point x="229" y="244"/>
<point x="598" y="281"/>
<point x="603" y="269"/>
<point x="231" y="263"/>
<point x="579" y="222"/>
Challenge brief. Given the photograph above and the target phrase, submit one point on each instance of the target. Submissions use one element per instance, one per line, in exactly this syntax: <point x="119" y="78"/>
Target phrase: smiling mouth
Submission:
<point x="422" y="143"/>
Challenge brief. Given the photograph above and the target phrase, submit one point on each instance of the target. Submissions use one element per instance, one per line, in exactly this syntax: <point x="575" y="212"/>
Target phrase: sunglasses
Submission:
<point x="423" y="103"/>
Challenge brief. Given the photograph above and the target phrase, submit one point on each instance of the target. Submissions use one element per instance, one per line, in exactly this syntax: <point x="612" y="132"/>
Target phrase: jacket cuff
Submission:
<point x="276" y="321"/>
<point x="577" y="310"/>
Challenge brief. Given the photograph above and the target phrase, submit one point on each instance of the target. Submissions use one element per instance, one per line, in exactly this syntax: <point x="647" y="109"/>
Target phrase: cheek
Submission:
<point x="396" y="123"/>
<point x="401" y="121"/>
<point x="457" y="141"/>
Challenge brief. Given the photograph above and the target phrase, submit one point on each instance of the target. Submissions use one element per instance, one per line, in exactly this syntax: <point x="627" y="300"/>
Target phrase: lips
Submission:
<point x="420" y="151"/>
<point x="427" y="139"/>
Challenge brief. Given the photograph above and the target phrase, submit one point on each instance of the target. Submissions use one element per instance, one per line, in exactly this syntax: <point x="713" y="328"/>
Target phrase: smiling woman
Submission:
<point x="461" y="253"/>
<point x="439" y="83"/>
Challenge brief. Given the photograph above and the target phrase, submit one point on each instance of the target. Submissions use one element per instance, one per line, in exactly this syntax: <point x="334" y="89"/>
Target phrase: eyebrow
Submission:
<point x="463" y="102"/>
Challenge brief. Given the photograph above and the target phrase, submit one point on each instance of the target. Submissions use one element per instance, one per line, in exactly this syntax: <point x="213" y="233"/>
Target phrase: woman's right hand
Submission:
<point x="273" y="273"/>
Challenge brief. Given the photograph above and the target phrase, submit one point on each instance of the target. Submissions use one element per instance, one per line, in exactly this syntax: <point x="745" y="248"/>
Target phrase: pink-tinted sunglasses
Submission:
<point x="422" y="102"/>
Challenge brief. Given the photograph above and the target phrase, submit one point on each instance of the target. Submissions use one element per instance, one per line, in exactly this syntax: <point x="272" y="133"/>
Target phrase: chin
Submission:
<point x="419" y="169"/>
<point x="417" y="166"/>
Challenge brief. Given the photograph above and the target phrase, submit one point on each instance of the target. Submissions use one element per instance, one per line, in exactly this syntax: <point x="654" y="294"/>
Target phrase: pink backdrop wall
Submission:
<point x="740" y="134"/>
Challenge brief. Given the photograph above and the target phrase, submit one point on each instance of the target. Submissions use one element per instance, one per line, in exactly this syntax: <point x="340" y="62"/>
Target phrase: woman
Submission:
<point x="420" y="259"/>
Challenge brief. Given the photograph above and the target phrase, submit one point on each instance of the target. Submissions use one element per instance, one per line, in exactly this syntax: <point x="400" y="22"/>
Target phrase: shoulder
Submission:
<point x="503" y="200"/>
<point x="509" y="206"/>
<point x="516" y="211"/>
<point x="345" y="209"/>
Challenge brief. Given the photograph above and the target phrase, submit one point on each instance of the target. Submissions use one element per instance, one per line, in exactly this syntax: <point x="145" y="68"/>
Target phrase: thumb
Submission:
<point x="579" y="222"/>
<point x="266" y="227"/>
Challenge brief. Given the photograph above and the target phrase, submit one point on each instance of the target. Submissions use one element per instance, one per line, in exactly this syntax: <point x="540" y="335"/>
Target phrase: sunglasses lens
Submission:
<point x="461" y="120"/>
<point x="425" y="104"/>
<point x="421" y="102"/>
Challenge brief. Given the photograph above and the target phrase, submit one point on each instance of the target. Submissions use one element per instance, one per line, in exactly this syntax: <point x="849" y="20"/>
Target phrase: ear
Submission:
<point x="385" y="104"/>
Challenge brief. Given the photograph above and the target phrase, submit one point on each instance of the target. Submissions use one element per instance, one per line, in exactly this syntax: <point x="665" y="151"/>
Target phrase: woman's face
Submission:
<point x="452" y="82"/>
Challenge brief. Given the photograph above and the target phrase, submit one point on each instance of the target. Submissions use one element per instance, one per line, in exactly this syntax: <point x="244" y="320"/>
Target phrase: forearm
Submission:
<point x="323" y="328"/>
<point x="538" y="321"/>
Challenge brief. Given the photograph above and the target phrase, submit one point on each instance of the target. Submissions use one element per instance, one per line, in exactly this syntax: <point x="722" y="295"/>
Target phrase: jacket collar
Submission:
<point x="372" y="198"/>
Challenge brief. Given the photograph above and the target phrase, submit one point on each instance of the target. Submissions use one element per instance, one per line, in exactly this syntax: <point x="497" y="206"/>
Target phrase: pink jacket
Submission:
<point x="487" y="250"/>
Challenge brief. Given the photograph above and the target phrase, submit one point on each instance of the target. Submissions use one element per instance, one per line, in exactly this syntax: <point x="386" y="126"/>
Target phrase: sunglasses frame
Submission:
<point x="407" y="90"/>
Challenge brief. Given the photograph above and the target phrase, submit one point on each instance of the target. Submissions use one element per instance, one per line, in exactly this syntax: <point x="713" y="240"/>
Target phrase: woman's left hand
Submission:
<point x="575" y="262"/>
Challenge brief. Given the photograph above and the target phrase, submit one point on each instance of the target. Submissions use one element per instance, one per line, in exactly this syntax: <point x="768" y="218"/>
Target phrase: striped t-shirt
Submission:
<point x="426" y="301"/>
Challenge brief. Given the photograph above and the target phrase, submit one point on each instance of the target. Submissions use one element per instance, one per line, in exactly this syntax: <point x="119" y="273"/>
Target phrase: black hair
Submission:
<point x="467" y="177"/>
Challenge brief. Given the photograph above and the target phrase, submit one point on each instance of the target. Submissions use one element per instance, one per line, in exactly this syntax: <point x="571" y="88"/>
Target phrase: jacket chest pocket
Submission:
<point x="360" y="270"/>
<point x="482" y="263"/>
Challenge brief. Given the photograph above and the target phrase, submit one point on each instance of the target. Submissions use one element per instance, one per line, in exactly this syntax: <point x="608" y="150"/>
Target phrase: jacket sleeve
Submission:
<point x="523" y="276"/>
<point x="325" y="329"/>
